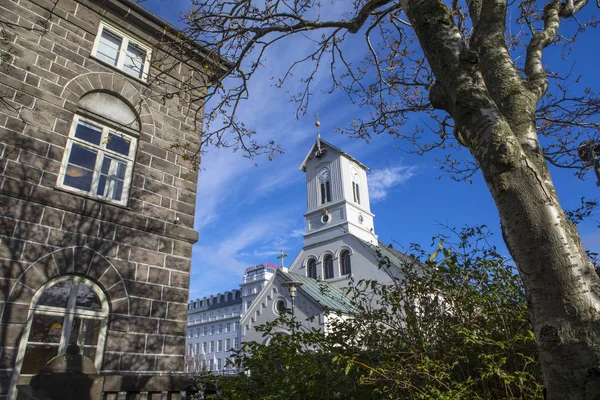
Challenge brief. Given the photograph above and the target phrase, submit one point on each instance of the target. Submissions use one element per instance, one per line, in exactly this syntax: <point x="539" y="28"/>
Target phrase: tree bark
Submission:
<point x="494" y="111"/>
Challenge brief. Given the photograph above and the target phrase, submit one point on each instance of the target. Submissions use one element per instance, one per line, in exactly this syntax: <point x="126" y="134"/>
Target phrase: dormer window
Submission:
<point x="121" y="51"/>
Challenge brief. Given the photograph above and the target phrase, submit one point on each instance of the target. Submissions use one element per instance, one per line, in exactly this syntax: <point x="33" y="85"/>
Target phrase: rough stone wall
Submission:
<point x="135" y="253"/>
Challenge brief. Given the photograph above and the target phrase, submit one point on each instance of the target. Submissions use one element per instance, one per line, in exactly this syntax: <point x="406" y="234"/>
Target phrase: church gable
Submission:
<point x="272" y="301"/>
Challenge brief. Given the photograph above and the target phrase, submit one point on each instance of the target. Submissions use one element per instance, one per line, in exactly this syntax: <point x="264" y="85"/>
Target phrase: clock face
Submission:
<point x="354" y="173"/>
<point x="323" y="174"/>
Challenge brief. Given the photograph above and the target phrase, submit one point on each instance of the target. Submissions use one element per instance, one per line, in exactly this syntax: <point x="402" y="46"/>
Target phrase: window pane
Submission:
<point x="113" y="167"/>
<point x="87" y="298"/>
<point x="85" y="332"/>
<point x="78" y="178"/>
<point x="111" y="180"/>
<point x="134" y="60"/>
<point x="118" y="143"/>
<point x="82" y="157"/>
<point x="46" y="328"/>
<point x="88" y="132"/>
<point x="36" y="356"/>
<point x="56" y="295"/>
<point x="108" y="47"/>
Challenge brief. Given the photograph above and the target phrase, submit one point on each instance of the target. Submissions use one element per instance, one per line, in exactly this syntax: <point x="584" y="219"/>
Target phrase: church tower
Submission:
<point x="337" y="195"/>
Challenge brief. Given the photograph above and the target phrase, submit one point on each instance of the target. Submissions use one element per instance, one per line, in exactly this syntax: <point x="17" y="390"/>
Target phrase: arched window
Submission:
<point x="328" y="266"/>
<point x="67" y="310"/>
<point x="345" y="262"/>
<point x="325" y="192"/>
<point x="312" y="268"/>
<point x="100" y="150"/>
<point x="356" y="192"/>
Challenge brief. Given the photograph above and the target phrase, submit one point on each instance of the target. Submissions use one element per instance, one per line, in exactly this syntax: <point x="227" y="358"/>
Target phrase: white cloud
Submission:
<point x="382" y="180"/>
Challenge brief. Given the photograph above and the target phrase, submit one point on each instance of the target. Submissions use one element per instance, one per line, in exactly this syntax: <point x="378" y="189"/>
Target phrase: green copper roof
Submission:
<point x="323" y="293"/>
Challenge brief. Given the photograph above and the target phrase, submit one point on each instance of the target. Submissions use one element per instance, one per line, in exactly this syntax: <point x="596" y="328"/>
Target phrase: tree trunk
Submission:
<point x="563" y="290"/>
<point x="494" y="113"/>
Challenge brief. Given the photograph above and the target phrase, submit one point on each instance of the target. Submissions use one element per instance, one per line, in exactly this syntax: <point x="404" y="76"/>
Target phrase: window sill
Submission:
<point x="72" y="192"/>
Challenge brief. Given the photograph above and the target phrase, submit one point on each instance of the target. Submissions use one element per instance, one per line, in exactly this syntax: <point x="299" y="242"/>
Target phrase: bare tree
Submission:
<point x="479" y="76"/>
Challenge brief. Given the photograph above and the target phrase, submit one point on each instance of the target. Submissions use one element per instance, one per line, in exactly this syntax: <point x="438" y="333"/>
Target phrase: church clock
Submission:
<point x="323" y="174"/>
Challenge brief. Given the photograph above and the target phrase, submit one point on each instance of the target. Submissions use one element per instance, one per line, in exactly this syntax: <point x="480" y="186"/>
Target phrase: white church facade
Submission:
<point x="340" y="247"/>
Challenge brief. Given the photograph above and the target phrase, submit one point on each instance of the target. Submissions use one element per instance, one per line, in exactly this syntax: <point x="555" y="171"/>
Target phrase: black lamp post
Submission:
<point x="589" y="152"/>
<point x="292" y="285"/>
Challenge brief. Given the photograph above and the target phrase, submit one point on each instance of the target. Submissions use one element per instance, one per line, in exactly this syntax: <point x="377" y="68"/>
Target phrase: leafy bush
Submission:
<point x="455" y="326"/>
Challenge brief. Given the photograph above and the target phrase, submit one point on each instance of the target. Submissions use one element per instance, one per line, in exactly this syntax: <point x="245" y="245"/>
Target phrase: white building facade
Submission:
<point x="213" y="325"/>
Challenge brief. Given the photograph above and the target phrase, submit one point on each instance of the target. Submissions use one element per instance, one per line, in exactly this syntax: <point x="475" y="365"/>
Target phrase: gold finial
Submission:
<point x="319" y="152"/>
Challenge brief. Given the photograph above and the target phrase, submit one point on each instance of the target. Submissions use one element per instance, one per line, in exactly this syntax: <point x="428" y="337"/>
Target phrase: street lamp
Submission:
<point x="292" y="285"/>
<point x="589" y="152"/>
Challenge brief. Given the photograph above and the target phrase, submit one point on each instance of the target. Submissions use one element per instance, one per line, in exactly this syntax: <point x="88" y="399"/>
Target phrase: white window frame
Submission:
<point x="101" y="150"/>
<point x="122" y="55"/>
<point x="69" y="313"/>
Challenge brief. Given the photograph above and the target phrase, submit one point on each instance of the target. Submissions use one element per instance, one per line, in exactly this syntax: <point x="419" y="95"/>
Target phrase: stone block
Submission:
<point x="126" y="269"/>
<point x="125" y="342"/>
<point x="175" y="295"/>
<point x="137" y="362"/>
<point x="143" y="325"/>
<point x="63" y="258"/>
<point x="182" y="249"/>
<point x="139" y="307"/>
<point x="52" y="217"/>
<point x="177" y="311"/>
<point x="15" y="313"/>
<point x="169" y="363"/>
<point x="154" y="344"/>
<point x="171" y="327"/>
<point x="111" y="361"/>
<point x="159" y="309"/>
<point x="117" y="322"/>
<point x="144" y="290"/>
<point x="158" y="275"/>
<point x="117" y="291"/>
<point x="180" y="280"/>
<point x="8" y="357"/>
<point x="165" y="166"/>
<point x="174" y="345"/>
<point x="10" y="334"/>
<point x="147" y="257"/>
<point x="178" y="263"/>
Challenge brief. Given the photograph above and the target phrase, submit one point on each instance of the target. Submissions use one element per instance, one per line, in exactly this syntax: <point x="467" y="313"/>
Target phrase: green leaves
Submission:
<point x="456" y="328"/>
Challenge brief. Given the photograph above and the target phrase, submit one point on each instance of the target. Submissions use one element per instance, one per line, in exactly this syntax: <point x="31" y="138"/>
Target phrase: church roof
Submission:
<point x="312" y="151"/>
<point x="323" y="293"/>
<point x="382" y="252"/>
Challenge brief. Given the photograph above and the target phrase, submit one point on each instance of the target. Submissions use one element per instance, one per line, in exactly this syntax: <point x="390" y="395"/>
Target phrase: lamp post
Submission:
<point x="292" y="285"/>
<point x="589" y="152"/>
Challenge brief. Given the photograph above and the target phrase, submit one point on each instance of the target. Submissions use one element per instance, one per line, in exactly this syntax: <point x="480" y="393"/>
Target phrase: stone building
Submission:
<point x="96" y="207"/>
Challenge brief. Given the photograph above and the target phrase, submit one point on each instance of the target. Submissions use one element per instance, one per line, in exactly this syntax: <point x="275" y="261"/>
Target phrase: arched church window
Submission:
<point x="100" y="150"/>
<point x="67" y="310"/>
<point x="328" y="266"/>
<point x="356" y="192"/>
<point x="345" y="262"/>
<point x="325" y="192"/>
<point x="312" y="268"/>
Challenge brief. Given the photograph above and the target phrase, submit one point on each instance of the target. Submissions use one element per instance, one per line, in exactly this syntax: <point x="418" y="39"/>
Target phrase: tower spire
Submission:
<point x="319" y="151"/>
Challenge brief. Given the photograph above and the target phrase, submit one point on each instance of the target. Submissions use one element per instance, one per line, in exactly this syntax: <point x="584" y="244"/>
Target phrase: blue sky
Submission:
<point x="245" y="213"/>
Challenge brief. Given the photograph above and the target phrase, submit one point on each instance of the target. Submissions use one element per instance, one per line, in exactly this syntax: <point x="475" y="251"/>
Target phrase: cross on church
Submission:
<point x="282" y="256"/>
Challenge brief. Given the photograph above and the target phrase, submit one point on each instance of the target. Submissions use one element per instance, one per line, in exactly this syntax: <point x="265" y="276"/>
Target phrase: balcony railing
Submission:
<point x="219" y="317"/>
